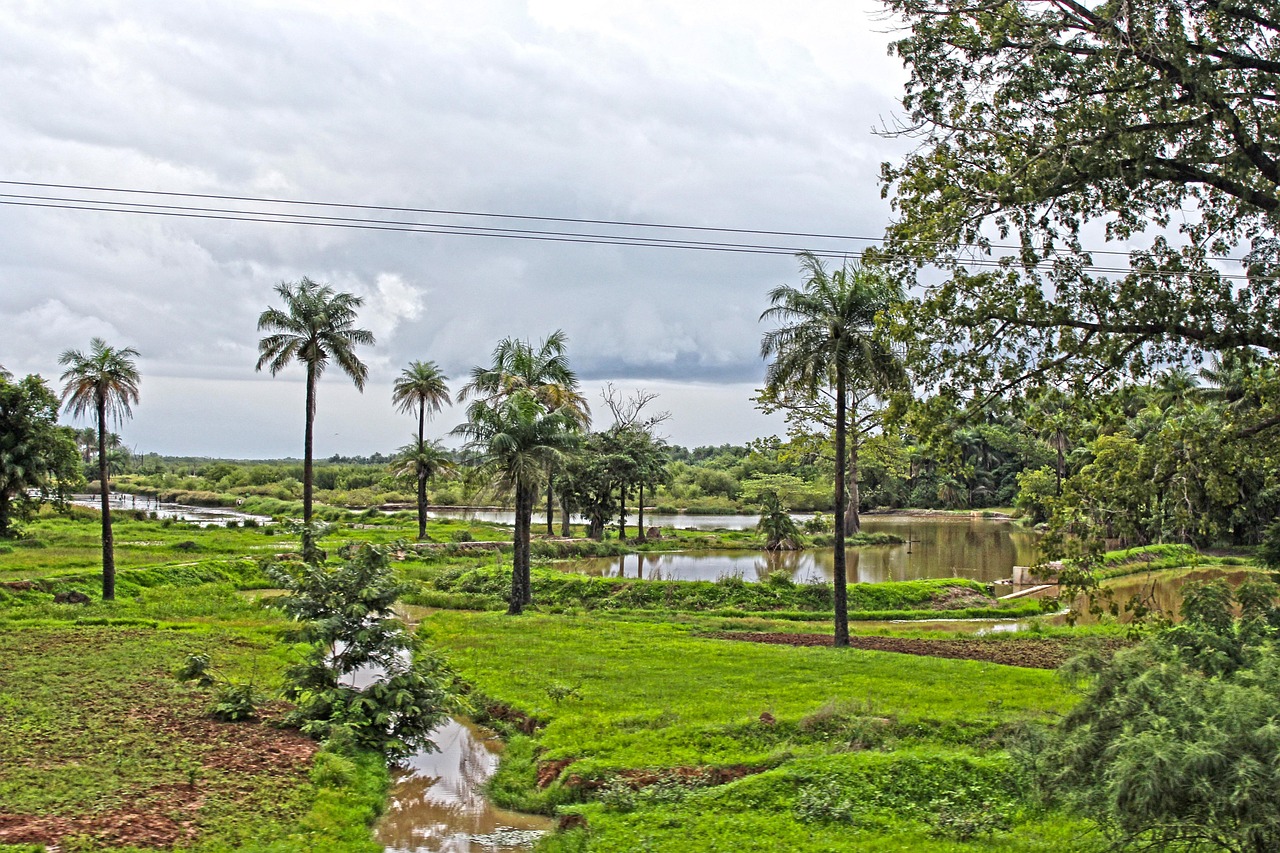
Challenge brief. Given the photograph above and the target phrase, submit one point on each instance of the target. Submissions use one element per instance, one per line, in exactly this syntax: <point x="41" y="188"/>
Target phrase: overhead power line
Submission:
<point x="101" y="200"/>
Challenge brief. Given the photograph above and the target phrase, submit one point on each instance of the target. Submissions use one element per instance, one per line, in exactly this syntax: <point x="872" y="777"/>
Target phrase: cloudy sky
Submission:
<point x="747" y="115"/>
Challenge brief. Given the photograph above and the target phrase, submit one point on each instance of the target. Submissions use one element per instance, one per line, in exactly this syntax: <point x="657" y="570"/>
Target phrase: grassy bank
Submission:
<point x="635" y="724"/>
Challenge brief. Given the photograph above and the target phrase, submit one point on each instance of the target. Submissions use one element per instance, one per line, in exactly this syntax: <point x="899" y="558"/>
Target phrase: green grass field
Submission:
<point x="652" y="734"/>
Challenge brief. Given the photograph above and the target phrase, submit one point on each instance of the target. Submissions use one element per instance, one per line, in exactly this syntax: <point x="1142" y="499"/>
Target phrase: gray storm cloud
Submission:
<point x="736" y="115"/>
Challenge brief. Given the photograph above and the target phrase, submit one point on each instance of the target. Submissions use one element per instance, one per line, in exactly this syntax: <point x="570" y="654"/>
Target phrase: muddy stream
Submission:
<point x="437" y="803"/>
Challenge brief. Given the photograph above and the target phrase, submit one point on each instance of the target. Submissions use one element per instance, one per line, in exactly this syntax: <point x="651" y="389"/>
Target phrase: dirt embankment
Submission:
<point x="1037" y="653"/>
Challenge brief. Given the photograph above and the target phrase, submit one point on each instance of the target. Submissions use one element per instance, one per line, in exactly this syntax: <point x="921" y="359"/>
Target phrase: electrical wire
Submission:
<point x="284" y="217"/>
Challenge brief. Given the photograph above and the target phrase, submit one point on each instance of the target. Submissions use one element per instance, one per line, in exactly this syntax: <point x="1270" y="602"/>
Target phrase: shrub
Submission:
<point x="347" y="621"/>
<point x="1174" y="741"/>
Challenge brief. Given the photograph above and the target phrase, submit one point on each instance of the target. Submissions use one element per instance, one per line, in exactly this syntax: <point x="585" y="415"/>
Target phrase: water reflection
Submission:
<point x="437" y="804"/>
<point x="202" y="515"/>
<point x="981" y="549"/>
<point x="1161" y="593"/>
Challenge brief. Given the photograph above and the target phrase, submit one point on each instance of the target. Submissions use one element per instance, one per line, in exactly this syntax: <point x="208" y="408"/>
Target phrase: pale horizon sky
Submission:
<point x="730" y="115"/>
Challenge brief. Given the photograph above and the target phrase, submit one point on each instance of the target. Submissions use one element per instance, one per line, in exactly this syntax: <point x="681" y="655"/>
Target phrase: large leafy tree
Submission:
<point x="36" y="455"/>
<point x="543" y="373"/>
<point x="521" y="439"/>
<point x="639" y="454"/>
<point x="317" y="324"/>
<point x="422" y="388"/>
<point x="828" y="341"/>
<point x="104" y="383"/>
<point x="1044" y="125"/>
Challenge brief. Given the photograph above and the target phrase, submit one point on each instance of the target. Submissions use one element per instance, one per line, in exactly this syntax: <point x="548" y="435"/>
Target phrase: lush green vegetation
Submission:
<point x="633" y="745"/>
<point x="660" y="719"/>
<point x="484" y="589"/>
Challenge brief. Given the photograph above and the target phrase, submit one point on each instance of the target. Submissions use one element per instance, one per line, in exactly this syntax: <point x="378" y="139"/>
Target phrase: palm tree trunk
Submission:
<point x="422" y="472"/>
<point x="526" y="581"/>
<point x="551" y="531"/>
<point x="108" y="540"/>
<point x="565" y="531"/>
<point x="308" y="474"/>
<point x="515" y="605"/>
<point x="839" y="570"/>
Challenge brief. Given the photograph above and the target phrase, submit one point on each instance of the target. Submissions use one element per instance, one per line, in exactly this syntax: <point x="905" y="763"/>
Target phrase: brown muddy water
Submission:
<point x="936" y="547"/>
<point x="437" y="804"/>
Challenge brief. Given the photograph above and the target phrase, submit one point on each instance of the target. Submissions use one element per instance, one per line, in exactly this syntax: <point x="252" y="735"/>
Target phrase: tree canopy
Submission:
<point x="36" y="455"/>
<point x="1043" y="126"/>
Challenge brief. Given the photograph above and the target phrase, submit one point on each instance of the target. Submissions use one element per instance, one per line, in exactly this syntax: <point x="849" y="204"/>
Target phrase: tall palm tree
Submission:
<point x="544" y="373"/>
<point x="317" y="324"/>
<point x="521" y="439"/>
<point x="104" y="382"/>
<point x="423" y="387"/>
<point x="827" y="340"/>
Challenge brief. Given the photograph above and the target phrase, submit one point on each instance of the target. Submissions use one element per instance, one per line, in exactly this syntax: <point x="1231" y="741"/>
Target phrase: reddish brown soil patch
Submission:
<point x="520" y="721"/>
<point x="168" y="815"/>
<point x="1038" y="653"/>
<point x="119" y="828"/>
<point x="549" y="771"/>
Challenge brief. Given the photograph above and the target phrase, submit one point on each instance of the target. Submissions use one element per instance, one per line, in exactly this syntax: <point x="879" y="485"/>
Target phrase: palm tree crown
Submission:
<point x="421" y="387"/>
<point x="544" y="373"/>
<point x="829" y="323"/>
<point x="106" y="378"/>
<point x="316" y="325"/>
<point x="105" y="383"/>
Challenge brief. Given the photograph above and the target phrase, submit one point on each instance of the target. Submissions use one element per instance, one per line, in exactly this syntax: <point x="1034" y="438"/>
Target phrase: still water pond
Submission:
<point x="936" y="547"/>
<point x="203" y="515"/>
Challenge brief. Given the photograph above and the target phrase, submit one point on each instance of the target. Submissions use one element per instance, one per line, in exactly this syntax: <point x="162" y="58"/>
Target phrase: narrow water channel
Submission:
<point x="437" y="803"/>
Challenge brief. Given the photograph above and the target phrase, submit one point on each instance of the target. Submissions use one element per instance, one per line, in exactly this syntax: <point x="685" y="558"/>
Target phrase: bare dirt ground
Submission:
<point x="236" y="759"/>
<point x="1038" y="653"/>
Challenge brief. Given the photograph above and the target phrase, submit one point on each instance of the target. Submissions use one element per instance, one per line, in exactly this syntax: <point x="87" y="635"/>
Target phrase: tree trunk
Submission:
<point x="422" y="472"/>
<point x="1062" y="466"/>
<point x="839" y="569"/>
<point x="622" y="513"/>
<point x="640" y="513"/>
<point x="526" y="581"/>
<point x="515" y="605"/>
<point x="565" y="530"/>
<point x="104" y="477"/>
<point x="551" y="531"/>
<point x="852" y="522"/>
<point x="308" y="473"/>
